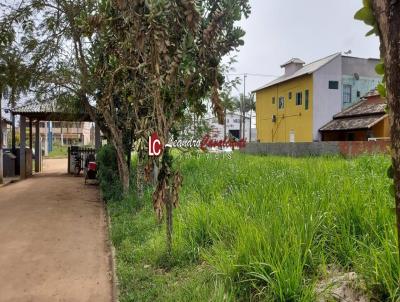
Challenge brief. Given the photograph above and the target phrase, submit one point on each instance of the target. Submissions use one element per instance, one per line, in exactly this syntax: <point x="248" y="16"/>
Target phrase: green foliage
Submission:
<point x="382" y="90"/>
<point x="261" y="229"/>
<point x="366" y="15"/>
<point x="380" y="69"/>
<point x="107" y="174"/>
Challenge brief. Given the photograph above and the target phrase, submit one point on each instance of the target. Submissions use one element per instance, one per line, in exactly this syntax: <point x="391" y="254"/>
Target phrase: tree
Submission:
<point x="61" y="48"/>
<point x="384" y="17"/>
<point x="143" y="63"/>
<point x="15" y="79"/>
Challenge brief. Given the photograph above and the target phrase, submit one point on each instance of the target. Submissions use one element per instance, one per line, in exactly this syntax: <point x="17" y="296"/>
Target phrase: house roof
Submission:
<point x="51" y="111"/>
<point x="362" y="109"/>
<point x="306" y="69"/>
<point x="362" y="115"/>
<point x="353" y="123"/>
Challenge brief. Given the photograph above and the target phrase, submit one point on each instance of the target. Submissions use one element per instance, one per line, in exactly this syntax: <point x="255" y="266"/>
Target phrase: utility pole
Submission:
<point x="251" y="112"/>
<point x="243" y="117"/>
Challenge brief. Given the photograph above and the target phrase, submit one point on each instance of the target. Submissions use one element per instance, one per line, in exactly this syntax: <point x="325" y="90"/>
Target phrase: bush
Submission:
<point x="110" y="184"/>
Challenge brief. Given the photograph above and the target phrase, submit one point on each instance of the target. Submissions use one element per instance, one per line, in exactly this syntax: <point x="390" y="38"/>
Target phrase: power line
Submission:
<point x="252" y="74"/>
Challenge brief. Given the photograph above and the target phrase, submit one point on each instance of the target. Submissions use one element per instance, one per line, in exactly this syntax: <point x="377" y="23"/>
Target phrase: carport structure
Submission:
<point x="33" y="114"/>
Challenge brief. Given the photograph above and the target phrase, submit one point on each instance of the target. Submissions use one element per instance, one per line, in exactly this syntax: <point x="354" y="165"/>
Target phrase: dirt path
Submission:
<point x="53" y="239"/>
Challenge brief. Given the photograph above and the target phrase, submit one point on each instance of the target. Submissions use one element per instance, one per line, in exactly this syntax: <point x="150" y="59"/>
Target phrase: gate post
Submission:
<point x="22" y="154"/>
<point x="38" y="149"/>
<point x="69" y="160"/>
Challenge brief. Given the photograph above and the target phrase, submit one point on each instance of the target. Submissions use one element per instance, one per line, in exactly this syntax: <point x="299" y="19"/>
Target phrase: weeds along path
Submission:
<point x="263" y="228"/>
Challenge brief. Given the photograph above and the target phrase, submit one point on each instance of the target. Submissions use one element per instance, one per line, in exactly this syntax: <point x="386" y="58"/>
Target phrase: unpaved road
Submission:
<point x="53" y="242"/>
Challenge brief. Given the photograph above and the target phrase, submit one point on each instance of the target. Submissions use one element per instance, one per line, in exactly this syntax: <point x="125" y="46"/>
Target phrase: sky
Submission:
<point x="278" y="30"/>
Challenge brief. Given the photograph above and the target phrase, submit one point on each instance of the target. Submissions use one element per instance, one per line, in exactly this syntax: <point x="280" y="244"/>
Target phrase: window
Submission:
<point x="333" y="85"/>
<point x="358" y="93"/>
<point x="273" y="100"/>
<point x="306" y="99"/>
<point x="290" y="95"/>
<point x="299" y="98"/>
<point x="281" y="103"/>
<point x="346" y="94"/>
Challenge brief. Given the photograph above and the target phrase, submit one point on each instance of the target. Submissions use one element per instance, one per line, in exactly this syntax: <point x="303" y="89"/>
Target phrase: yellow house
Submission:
<point x="295" y="106"/>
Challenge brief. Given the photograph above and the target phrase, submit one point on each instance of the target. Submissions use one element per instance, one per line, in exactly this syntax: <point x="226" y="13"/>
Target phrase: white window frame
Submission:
<point x="281" y="102"/>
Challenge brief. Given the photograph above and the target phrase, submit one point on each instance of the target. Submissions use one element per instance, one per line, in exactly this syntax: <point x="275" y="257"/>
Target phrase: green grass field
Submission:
<point x="59" y="151"/>
<point x="257" y="228"/>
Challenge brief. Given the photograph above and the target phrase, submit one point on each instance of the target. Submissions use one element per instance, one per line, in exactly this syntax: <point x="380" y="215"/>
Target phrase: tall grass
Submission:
<point x="261" y="229"/>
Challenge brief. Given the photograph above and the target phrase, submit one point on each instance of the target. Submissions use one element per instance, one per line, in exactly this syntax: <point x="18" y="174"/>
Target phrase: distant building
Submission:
<point x="69" y="133"/>
<point x="363" y="121"/>
<point x="293" y="107"/>
<point x="232" y="126"/>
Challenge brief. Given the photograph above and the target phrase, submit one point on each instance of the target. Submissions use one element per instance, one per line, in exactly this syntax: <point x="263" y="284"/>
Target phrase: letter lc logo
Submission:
<point x="155" y="146"/>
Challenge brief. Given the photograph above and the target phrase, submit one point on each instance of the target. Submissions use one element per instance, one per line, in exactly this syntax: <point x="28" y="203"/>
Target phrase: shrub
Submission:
<point x="109" y="181"/>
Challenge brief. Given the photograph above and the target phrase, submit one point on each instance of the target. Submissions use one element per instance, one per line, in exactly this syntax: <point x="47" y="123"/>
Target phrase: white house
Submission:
<point x="232" y="126"/>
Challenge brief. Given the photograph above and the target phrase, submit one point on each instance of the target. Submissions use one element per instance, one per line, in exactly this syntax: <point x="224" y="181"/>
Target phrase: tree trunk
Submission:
<point x="123" y="169"/>
<point x="388" y="18"/>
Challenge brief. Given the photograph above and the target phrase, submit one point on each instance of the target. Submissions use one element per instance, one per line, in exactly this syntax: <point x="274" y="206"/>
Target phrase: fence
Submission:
<point x="345" y="148"/>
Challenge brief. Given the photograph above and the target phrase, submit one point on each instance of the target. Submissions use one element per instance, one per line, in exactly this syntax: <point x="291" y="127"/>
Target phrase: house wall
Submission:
<point x="358" y="135"/>
<point x="382" y="129"/>
<point x="291" y="118"/>
<point x="328" y="101"/>
<point x="368" y="78"/>
<point x="364" y="67"/>
<point x="361" y="87"/>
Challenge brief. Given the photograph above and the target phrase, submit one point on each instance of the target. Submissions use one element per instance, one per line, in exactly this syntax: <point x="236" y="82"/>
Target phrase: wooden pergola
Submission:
<point x="33" y="114"/>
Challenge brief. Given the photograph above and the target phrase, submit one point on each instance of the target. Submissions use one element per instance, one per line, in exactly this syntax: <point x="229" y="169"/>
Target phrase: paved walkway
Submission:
<point x="53" y="239"/>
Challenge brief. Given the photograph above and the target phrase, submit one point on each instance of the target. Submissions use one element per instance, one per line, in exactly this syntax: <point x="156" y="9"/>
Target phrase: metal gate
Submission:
<point x="76" y="151"/>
